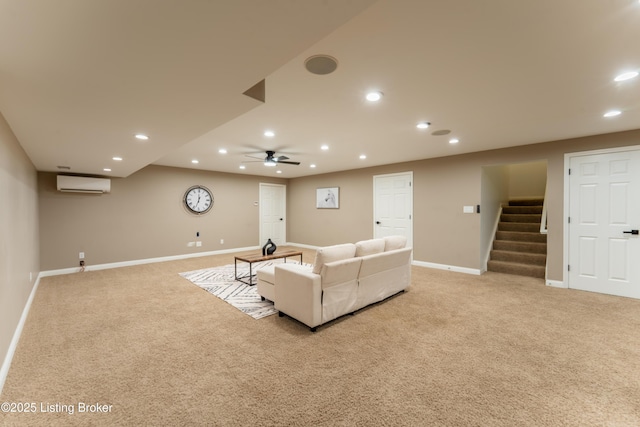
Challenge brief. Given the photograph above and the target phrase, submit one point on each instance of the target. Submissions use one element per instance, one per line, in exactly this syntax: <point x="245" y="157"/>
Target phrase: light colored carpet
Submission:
<point x="221" y="282"/>
<point x="455" y="350"/>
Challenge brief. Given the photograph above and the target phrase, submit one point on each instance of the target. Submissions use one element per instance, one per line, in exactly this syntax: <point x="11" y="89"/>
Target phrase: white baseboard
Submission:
<point x="474" y="271"/>
<point x="6" y="363"/>
<point x="301" y="245"/>
<point x="556" y="284"/>
<point x="142" y="261"/>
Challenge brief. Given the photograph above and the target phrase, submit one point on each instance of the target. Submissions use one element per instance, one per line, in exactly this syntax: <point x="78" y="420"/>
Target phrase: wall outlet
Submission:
<point x="81" y="255"/>
<point x="222" y="241"/>
<point x="198" y="243"/>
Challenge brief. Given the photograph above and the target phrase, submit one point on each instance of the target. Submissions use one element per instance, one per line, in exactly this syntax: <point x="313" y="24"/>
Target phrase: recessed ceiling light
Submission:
<point x="423" y="125"/>
<point x="626" y="76"/>
<point x="222" y="151"/>
<point x="195" y="162"/>
<point x="117" y="159"/>
<point x="141" y="136"/>
<point x="362" y="157"/>
<point x="106" y="170"/>
<point x="374" y="96"/>
<point x="269" y="133"/>
<point x="324" y="147"/>
<point x="243" y="167"/>
<point x="612" y="113"/>
<point x="312" y="165"/>
<point x="454" y="141"/>
<point x="278" y="171"/>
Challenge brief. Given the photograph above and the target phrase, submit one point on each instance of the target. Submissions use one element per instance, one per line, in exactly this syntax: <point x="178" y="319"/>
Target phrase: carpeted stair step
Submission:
<point x="514" y="246"/>
<point x="526" y="202"/>
<point x="519" y="226"/>
<point x="536" y="210"/>
<point x="519" y="257"/>
<point x="516" y="268"/>
<point x="519" y="236"/>
<point x="530" y="218"/>
<point x="519" y="247"/>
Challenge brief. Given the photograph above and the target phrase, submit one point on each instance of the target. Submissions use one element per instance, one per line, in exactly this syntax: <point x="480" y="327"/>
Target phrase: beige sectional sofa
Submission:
<point x="343" y="279"/>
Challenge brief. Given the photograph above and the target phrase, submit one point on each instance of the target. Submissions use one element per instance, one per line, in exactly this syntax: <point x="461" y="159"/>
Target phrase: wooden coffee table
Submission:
<point x="251" y="259"/>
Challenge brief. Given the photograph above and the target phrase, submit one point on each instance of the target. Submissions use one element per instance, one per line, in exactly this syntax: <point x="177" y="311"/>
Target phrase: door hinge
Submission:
<point x="569" y="219"/>
<point x="410" y="183"/>
<point x="568" y="267"/>
<point x="569" y="171"/>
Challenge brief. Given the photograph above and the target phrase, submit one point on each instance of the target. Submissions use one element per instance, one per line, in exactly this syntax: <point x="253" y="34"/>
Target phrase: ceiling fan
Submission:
<point x="271" y="160"/>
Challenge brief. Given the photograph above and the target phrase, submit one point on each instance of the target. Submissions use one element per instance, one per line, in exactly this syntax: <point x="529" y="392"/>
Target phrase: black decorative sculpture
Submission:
<point x="269" y="248"/>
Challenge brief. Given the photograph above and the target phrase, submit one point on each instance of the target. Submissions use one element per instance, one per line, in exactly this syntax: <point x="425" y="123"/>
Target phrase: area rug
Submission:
<point x="220" y="281"/>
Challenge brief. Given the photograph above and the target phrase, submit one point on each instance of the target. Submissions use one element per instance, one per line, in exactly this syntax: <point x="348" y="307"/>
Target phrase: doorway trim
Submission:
<point x="566" y="203"/>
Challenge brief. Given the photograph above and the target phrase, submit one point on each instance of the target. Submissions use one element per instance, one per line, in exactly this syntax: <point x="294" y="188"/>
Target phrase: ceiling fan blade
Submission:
<point x="254" y="157"/>
<point x="281" y="158"/>
<point x="288" y="163"/>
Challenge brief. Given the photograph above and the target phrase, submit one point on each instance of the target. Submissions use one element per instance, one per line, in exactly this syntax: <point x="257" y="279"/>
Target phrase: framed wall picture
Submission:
<point x="328" y="198"/>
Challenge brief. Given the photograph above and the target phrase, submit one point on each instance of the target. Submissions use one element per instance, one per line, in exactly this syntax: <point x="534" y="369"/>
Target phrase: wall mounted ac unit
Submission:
<point x="83" y="184"/>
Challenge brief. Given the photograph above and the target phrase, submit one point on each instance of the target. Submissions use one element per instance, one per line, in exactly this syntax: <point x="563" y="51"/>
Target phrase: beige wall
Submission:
<point x="19" y="264"/>
<point x="527" y="180"/>
<point x="143" y="217"/>
<point x="494" y="193"/>
<point x="442" y="233"/>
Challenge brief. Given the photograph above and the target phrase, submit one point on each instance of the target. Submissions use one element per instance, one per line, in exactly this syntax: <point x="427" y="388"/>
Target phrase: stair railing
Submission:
<point x="487" y="255"/>
<point x="543" y="220"/>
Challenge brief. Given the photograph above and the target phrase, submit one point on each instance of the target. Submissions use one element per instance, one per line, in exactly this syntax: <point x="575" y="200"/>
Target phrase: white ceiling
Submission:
<point x="79" y="78"/>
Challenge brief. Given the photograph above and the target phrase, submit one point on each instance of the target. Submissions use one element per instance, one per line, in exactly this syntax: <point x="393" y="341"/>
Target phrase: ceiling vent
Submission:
<point x="83" y="184"/>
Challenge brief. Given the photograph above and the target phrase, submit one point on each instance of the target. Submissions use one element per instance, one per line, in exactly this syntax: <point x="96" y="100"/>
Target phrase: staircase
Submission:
<point x="519" y="247"/>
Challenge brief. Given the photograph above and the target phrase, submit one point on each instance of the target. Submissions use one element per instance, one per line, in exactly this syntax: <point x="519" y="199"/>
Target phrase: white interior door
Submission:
<point x="604" y="211"/>
<point x="393" y="205"/>
<point x="273" y="209"/>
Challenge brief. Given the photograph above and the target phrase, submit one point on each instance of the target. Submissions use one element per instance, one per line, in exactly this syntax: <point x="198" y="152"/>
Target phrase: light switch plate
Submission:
<point x="468" y="209"/>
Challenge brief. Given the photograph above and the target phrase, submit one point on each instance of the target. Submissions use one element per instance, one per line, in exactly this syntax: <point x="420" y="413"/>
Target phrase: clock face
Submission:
<point x="198" y="199"/>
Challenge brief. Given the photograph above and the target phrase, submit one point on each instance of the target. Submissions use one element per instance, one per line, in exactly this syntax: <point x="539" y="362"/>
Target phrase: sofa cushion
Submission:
<point x="333" y="253"/>
<point x="267" y="274"/>
<point x="394" y="242"/>
<point x="370" y="247"/>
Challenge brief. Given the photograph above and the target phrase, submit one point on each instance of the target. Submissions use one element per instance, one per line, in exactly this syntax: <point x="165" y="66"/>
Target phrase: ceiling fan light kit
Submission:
<point x="270" y="160"/>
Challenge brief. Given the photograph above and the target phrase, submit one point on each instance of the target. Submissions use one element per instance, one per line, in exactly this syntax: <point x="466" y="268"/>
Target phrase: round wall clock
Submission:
<point x="198" y="199"/>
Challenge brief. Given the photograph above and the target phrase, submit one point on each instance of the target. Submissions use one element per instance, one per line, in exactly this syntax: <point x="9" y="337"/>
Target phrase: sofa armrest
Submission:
<point x="298" y="293"/>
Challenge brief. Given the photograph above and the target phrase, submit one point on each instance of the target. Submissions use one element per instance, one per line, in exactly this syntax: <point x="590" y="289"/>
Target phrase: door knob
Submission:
<point x="378" y="222"/>
<point x="632" y="232"/>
